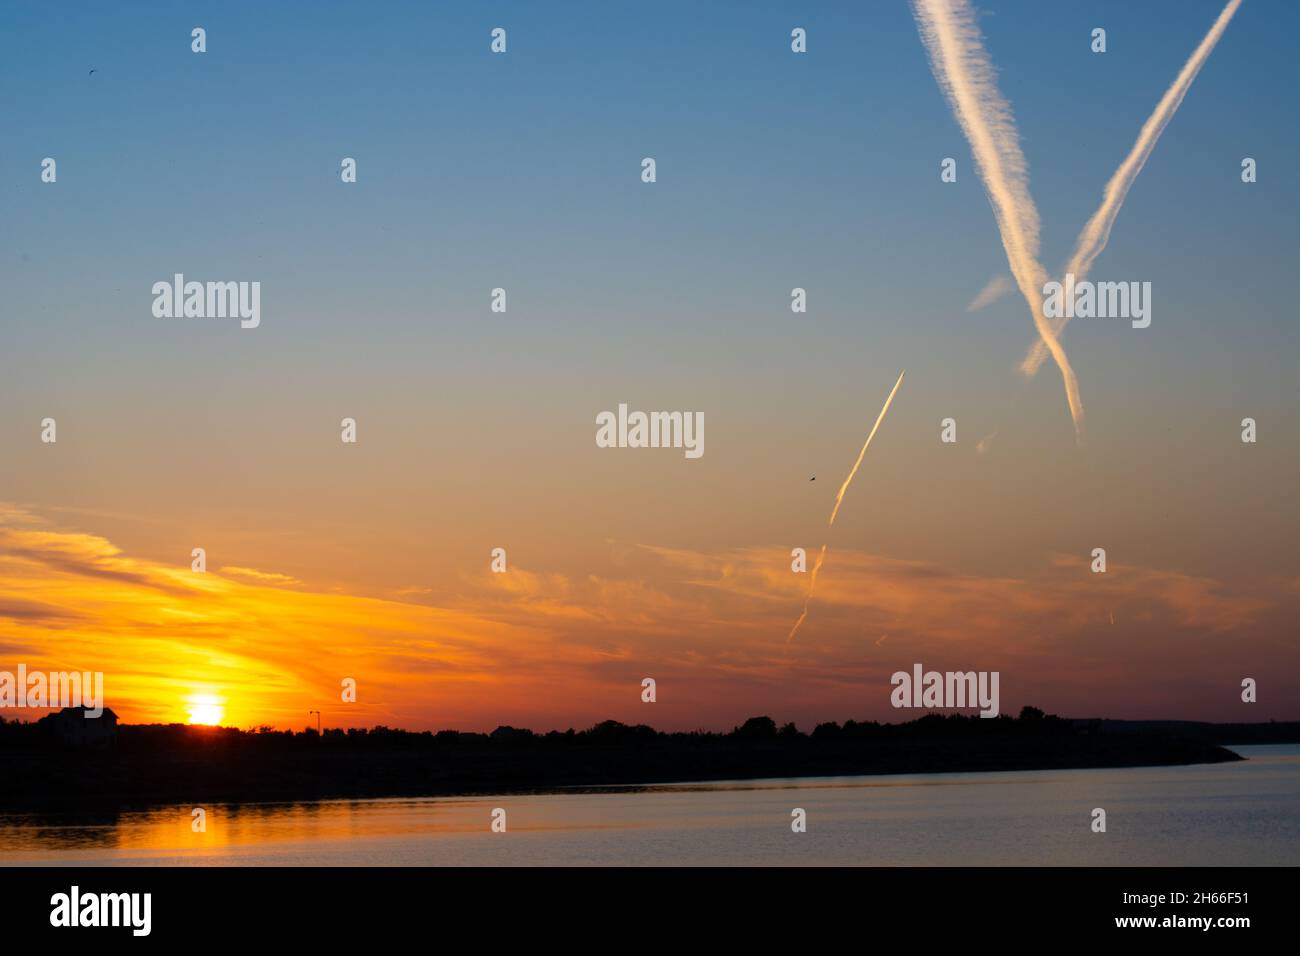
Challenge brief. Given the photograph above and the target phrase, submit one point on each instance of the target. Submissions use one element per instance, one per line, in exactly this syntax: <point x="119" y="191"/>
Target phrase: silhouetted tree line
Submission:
<point x="606" y="733"/>
<point x="165" y="763"/>
<point x="20" y="735"/>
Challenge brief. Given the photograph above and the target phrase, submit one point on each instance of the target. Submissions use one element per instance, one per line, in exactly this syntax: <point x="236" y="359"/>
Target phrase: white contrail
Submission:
<point x="1096" y="233"/>
<point x="817" y="566"/>
<point x="879" y="418"/>
<point x="966" y="76"/>
<point x="964" y="73"/>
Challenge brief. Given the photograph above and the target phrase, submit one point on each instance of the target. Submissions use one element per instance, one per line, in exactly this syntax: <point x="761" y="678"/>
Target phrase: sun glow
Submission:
<point x="205" y="709"/>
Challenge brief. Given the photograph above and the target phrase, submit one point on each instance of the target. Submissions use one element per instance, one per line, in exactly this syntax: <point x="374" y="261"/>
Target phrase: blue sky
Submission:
<point x="775" y="170"/>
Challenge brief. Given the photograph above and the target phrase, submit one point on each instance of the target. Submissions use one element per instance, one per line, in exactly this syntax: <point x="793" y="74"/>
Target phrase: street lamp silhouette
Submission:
<point x="317" y="713"/>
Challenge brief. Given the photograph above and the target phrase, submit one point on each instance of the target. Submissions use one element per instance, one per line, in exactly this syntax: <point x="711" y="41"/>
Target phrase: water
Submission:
<point x="1220" y="814"/>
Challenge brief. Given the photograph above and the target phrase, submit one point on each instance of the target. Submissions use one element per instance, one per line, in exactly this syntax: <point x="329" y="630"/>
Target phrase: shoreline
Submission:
<point x="153" y="766"/>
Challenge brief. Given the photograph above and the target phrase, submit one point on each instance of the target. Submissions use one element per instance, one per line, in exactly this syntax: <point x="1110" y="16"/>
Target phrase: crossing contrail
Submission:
<point x="965" y="75"/>
<point x="817" y="566"/>
<point x="1096" y="233"/>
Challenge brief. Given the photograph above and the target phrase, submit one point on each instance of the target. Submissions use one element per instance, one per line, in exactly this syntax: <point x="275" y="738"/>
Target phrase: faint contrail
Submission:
<point x="1096" y="233"/>
<point x="812" y="583"/>
<point x="964" y="73"/>
<point x="817" y="566"/>
<point x="996" y="288"/>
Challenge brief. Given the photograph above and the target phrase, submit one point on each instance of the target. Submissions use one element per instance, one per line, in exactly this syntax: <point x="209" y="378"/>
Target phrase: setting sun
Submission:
<point x="205" y="709"/>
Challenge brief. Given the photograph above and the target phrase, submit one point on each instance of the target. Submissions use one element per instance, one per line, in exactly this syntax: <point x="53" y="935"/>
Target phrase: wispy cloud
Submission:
<point x="547" y="649"/>
<point x="262" y="577"/>
<point x="159" y="632"/>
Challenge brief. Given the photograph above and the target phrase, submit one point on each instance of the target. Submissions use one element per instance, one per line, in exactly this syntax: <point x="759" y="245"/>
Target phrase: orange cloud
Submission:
<point x="73" y="601"/>
<point x="264" y="577"/>
<point x="549" y="649"/>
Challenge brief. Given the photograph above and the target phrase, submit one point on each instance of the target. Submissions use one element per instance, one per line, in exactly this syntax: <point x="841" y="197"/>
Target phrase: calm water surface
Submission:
<point x="1221" y="814"/>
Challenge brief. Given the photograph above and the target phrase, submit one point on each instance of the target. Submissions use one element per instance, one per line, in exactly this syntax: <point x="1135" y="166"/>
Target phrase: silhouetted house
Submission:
<point x="73" y="727"/>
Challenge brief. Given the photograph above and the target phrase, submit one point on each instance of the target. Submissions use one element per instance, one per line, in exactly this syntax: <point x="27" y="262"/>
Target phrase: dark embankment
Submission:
<point x="157" y="764"/>
<point x="1274" y="732"/>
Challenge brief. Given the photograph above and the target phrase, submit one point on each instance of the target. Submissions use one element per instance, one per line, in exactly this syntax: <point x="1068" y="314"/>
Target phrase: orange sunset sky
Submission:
<point x="476" y="429"/>
<point x="549" y="649"/>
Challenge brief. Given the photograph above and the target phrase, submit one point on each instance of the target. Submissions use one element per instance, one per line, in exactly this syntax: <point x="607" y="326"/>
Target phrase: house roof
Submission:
<point x="68" y="712"/>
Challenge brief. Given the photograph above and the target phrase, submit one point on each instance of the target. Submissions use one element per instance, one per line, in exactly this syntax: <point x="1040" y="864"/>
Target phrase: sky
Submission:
<point x="476" y="429"/>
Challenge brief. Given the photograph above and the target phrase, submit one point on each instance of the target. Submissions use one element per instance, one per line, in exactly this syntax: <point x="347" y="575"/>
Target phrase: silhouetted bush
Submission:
<point x="756" y="728"/>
